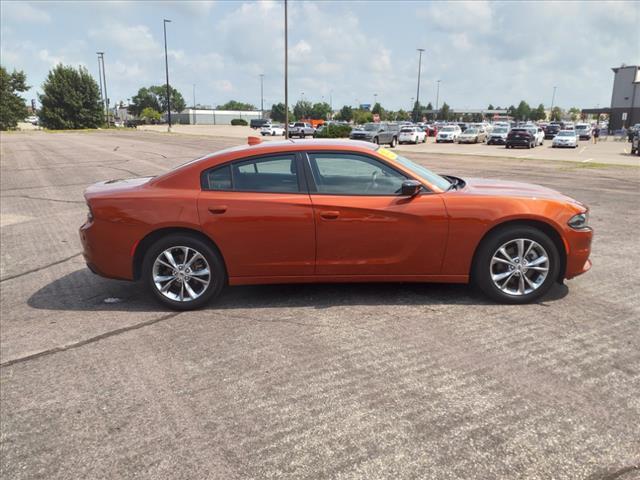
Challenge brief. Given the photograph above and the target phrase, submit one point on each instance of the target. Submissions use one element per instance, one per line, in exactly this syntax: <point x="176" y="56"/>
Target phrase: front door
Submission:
<point x="259" y="214"/>
<point x="364" y="227"/>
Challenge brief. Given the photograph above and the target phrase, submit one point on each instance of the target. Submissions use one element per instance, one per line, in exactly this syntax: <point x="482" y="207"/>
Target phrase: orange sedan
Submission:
<point x="329" y="211"/>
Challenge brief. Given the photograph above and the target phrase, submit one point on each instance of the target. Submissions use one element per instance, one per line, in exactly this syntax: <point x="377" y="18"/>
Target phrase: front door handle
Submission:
<point x="330" y="214"/>
<point x="217" y="209"/>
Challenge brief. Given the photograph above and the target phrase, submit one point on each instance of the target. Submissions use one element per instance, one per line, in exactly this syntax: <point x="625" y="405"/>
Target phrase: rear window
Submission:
<point x="276" y="174"/>
<point x="407" y="130"/>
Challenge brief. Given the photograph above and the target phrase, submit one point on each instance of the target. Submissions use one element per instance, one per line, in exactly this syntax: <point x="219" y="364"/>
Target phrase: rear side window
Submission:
<point x="268" y="174"/>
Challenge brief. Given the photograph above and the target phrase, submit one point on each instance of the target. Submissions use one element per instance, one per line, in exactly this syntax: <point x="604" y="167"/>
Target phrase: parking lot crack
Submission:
<point x="28" y="197"/>
<point x="57" y="262"/>
<point x="87" y="341"/>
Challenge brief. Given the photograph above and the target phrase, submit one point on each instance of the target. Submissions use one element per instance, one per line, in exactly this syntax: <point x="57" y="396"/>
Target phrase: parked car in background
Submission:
<point x="329" y="211"/>
<point x="473" y="135"/>
<point x="498" y="136"/>
<point x="551" y="131"/>
<point x="32" y="119"/>
<point x="463" y="126"/>
<point x="520" y="137"/>
<point x="566" y="139"/>
<point x="584" y="131"/>
<point x="301" y="130"/>
<point x="538" y="134"/>
<point x="272" y="130"/>
<point x="635" y="141"/>
<point x="448" y="133"/>
<point x="380" y="133"/>
<point x="256" y="123"/>
<point x="412" y="135"/>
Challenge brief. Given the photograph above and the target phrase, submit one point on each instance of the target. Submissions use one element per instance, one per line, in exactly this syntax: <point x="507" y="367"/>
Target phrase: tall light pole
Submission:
<point x="375" y="99"/>
<point x="437" y="96"/>
<point x="194" y="104"/>
<point x="553" y="99"/>
<point x="100" y="79"/>
<point x="166" y="64"/>
<point x="420" y="50"/>
<point x="261" y="95"/>
<point x="286" y="73"/>
<point x="104" y="82"/>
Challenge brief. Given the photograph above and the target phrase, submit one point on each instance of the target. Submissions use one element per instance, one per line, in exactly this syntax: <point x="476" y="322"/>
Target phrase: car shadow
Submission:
<point x="83" y="291"/>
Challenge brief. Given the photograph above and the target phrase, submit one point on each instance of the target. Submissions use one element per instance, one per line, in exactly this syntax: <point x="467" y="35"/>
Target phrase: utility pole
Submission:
<point x="194" y="104"/>
<point x="553" y="99"/>
<point x="262" y="95"/>
<point x="166" y="64"/>
<point x="104" y="81"/>
<point x="100" y="79"/>
<point x="437" y="96"/>
<point x="286" y="74"/>
<point x="420" y="50"/>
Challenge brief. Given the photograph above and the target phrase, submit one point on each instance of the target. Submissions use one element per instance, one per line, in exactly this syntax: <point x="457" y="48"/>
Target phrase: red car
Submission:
<point x="329" y="211"/>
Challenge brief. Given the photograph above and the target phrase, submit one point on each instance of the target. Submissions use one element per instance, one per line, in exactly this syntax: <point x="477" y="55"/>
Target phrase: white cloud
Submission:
<point x="23" y="12"/>
<point x="136" y="39"/>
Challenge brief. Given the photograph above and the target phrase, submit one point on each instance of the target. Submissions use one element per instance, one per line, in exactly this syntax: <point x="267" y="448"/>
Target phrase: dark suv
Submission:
<point x="520" y="137"/>
<point x="551" y="131"/>
<point x="380" y="133"/>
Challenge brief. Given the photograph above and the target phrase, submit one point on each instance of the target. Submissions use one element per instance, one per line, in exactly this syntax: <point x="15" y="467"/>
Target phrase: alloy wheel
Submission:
<point x="519" y="267"/>
<point x="181" y="274"/>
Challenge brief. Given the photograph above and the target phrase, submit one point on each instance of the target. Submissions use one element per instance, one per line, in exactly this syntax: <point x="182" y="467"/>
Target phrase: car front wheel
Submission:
<point x="517" y="264"/>
<point x="183" y="272"/>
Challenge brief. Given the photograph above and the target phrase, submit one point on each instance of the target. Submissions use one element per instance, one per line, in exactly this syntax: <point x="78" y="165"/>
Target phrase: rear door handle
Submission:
<point x="330" y="214"/>
<point x="217" y="209"/>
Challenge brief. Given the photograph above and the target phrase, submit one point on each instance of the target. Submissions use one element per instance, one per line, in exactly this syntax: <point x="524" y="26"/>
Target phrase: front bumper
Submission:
<point x="519" y="142"/>
<point x="497" y="141"/>
<point x="578" y="247"/>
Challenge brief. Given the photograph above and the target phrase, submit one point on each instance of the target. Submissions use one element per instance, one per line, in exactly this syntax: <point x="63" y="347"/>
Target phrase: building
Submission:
<point x="625" y="98"/>
<point x="192" y="116"/>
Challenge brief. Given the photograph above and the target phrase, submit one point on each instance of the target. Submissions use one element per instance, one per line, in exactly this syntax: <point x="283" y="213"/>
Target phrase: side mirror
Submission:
<point x="410" y="188"/>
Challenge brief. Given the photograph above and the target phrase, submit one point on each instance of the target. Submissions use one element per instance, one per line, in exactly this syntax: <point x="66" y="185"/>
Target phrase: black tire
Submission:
<point x="481" y="274"/>
<point x="393" y="142"/>
<point x="375" y="140"/>
<point x="218" y="277"/>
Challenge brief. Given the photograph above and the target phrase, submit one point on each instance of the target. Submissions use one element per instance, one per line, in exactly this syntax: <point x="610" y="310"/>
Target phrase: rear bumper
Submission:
<point x="106" y="254"/>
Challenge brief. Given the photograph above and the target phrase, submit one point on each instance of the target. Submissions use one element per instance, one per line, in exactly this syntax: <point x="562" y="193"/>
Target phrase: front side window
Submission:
<point x="351" y="174"/>
<point x="269" y="174"/>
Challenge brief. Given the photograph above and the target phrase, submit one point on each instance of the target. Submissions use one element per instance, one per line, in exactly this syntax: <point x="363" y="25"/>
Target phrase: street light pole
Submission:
<point x="104" y="82"/>
<point x="194" y="104"/>
<point x="437" y="96"/>
<point x="166" y="64"/>
<point x="286" y="73"/>
<point x="420" y="50"/>
<point x="262" y="95"/>
<point x="553" y="99"/>
<point x="100" y="80"/>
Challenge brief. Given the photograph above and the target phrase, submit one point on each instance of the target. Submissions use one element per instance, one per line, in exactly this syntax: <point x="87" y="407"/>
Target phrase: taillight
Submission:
<point x="89" y="214"/>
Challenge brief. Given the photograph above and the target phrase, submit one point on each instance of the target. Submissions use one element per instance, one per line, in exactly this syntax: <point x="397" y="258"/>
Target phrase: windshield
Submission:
<point x="582" y="127"/>
<point x="428" y="175"/>
<point x="371" y="127"/>
<point x="472" y="131"/>
<point x="447" y="129"/>
<point x="566" y="133"/>
<point x="500" y="130"/>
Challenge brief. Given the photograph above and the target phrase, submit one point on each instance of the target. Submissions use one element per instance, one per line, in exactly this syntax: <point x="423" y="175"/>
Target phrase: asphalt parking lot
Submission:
<point x="307" y="381"/>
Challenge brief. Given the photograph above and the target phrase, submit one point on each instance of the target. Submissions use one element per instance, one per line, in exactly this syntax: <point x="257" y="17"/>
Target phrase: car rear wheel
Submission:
<point x="183" y="272"/>
<point x="394" y="140"/>
<point x="516" y="264"/>
<point x="375" y="140"/>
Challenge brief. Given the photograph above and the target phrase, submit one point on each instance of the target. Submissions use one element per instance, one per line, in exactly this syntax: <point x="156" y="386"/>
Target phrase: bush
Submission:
<point x="239" y="121"/>
<point x="334" y="130"/>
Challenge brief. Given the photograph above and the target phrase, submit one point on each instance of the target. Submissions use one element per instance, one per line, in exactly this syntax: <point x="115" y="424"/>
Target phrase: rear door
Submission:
<point x="259" y="213"/>
<point x="363" y="225"/>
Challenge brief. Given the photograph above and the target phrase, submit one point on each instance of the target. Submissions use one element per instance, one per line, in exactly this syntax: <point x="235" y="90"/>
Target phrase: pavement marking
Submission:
<point x="7" y="219"/>
<point x="582" y="149"/>
<point x="587" y="160"/>
<point x="87" y="341"/>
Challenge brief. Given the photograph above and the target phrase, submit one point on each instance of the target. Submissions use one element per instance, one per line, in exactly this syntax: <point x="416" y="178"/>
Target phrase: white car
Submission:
<point x="565" y="138"/>
<point x="448" y="133"/>
<point x="537" y="133"/>
<point x="272" y="130"/>
<point x="584" y="131"/>
<point x="412" y="135"/>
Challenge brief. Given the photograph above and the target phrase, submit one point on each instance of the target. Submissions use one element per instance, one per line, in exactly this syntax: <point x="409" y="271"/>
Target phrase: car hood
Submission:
<point x="505" y="188"/>
<point x="115" y="186"/>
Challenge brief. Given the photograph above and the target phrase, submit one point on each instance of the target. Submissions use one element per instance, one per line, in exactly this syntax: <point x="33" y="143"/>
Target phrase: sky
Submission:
<point x="348" y="51"/>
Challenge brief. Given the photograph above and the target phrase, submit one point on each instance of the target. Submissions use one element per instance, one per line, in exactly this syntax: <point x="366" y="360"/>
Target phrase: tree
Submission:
<point x="430" y="115"/>
<point x="150" y="115"/>
<point x="416" y="113"/>
<point x="539" y="113"/>
<point x="556" y="114"/>
<point x="278" y="112"/>
<point x="346" y="113"/>
<point x="377" y="109"/>
<point x="490" y="107"/>
<point x="235" y="105"/>
<point x="145" y="98"/>
<point x="177" y="101"/>
<point x="445" y="112"/>
<point x="71" y="99"/>
<point x="302" y="109"/>
<point x="320" y="111"/>
<point x="362" y="116"/>
<point x="402" y="115"/>
<point x="511" y="111"/>
<point x="12" y="107"/>
<point x="523" y="112"/>
<point x="574" y="113"/>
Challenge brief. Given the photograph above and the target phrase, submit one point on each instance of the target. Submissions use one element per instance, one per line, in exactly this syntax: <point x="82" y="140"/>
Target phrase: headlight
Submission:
<point x="579" y="221"/>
